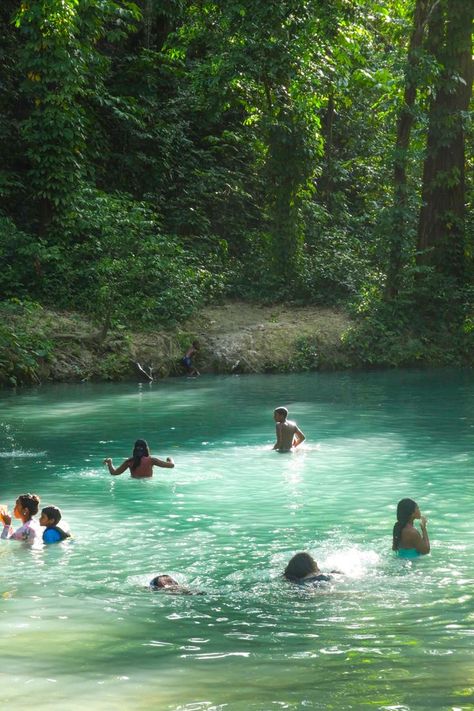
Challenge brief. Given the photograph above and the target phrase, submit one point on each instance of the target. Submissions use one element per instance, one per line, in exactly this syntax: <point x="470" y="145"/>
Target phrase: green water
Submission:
<point x="80" y="630"/>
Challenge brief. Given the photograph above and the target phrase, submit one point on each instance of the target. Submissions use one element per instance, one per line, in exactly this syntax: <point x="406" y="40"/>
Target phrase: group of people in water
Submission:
<point x="25" y="509"/>
<point x="407" y="541"/>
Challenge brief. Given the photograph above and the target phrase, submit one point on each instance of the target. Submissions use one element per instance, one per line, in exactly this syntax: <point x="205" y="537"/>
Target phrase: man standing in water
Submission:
<point x="287" y="433"/>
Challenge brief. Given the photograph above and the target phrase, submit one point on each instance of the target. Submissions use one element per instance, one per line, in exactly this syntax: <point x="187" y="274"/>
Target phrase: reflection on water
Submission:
<point x="81" y="625"/>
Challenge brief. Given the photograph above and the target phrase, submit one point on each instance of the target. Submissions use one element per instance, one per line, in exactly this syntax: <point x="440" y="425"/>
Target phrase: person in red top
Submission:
<point x="140" y="463"/>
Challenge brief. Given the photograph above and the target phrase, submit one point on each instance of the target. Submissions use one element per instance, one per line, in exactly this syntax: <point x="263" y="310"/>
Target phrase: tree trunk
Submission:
<point x="441" y="233"/>
<point x="399" y="221"/>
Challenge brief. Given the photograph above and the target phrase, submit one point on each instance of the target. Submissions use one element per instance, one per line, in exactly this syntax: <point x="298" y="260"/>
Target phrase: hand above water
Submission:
<point x="107" y="460"/>
<point x="5" y="518"/>
<point x="423" y="521"/>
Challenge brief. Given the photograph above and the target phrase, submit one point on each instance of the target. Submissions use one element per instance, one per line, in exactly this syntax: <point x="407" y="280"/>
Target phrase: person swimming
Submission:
<point x="140" y="463"/>
<point x="26" y="506"/>
<point x="407" y="541"/>
<point x="168" y="584"/>
<point x="288" y="434"/>
<point x="302" y="568"/>
<point x="50" y="517"/>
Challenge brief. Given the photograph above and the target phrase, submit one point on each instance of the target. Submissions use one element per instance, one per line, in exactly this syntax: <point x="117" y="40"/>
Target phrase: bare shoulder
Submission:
<point x="410" y="537"/>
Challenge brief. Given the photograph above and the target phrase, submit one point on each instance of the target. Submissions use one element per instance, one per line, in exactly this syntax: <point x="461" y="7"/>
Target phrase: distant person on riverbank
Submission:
<point x="302" y="568"/>
<point x="187" y="359"/>
<point x="50" y="517"/>
<point x="141" y="463"/>
<point x="288" y="435"/>
<point x="407" y="540"/>
<point x="26" y="506"/>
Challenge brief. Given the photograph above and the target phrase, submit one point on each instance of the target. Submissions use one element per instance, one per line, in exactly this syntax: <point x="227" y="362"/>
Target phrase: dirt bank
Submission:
<point x="234" y="337"/>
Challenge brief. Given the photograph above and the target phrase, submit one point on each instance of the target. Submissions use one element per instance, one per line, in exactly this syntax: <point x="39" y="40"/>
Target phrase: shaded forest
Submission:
<point x="163" y="154"/>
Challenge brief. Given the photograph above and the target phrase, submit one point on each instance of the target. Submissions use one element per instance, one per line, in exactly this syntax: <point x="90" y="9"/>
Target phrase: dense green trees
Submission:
<point x="155" y="154"/>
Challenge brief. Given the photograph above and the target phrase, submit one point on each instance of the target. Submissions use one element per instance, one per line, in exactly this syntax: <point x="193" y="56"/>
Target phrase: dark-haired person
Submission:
<point x="50" y="517"/>
<point x="302" y="568"/>
<point x="408" y="542"/>
<point x="288" y="435"/>
<point x="187" y="359"/>
<point x="141" y="463"/>
<point x="26" y="506"/>
<point x="168" y="584"/>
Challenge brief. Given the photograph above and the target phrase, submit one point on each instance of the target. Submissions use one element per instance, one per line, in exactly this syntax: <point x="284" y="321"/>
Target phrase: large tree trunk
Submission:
<point x="441" y="225"/>
<point x="399" y="222"/>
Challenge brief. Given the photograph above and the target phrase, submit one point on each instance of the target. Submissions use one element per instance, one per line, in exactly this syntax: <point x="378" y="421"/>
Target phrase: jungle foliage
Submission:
<point x="158" y="154"/>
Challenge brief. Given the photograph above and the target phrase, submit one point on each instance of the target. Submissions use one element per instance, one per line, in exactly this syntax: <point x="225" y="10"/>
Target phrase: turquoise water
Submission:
<point x="79" y="628"/>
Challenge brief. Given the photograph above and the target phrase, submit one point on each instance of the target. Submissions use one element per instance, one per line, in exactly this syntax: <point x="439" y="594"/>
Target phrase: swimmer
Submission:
<point x="26" y="506"/>
<point x="407" y="541"/>
<point x="287" y="433"/>
<point x="169" y="584"/>
<point x="140" y="463"/>
<point x="50" y="517"/>
<point x="302" y="568"/>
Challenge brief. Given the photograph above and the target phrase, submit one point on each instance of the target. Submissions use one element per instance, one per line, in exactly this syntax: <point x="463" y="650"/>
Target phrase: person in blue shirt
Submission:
<point x="50" y="517"/>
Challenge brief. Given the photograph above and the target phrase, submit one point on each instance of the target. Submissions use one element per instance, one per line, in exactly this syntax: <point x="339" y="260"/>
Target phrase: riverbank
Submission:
<point x="234" y="337"/>
<point x="41" y="345"/>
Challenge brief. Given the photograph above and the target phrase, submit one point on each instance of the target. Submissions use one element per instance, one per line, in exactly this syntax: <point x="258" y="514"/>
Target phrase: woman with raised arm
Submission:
<point x="141" y="463"/>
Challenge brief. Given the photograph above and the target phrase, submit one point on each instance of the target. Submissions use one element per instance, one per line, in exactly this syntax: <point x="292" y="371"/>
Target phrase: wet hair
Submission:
<point x="30" y="502"/>
<point x="281" y="411"/>
<point x="140" y="449"/>
<point x="405" y="509"/>
<point x="162" y="581"/>
<point x="300" y="566"/>
<point x="53" y="513"/>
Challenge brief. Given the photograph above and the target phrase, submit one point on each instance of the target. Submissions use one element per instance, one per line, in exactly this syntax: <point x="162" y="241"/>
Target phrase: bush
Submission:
<point x="22" y="350"/>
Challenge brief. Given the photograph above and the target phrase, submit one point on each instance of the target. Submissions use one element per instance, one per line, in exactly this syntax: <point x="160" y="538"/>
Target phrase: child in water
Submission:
<point x="302" y="568"/>
<point x="187" y="359"/>
<point x="287" y="433"/>
<point x="140" y="463"/>
<point x="26" y="506"/>
<point x="50" y="517"/>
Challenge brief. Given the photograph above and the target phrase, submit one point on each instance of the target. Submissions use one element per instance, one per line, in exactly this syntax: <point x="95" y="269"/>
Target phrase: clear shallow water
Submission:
<point x="79" y="626"/>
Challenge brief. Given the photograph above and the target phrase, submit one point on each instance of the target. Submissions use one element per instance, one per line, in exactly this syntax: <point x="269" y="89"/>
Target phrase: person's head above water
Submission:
<point x="140" y="449"/>
<point x="407" y="511"/>
<point x="280" y="414"/>
<point x="301" y="565"/>
<point x="50" y="516"/>
<point x="26" y="506"/>
<point x="163" y="581"/>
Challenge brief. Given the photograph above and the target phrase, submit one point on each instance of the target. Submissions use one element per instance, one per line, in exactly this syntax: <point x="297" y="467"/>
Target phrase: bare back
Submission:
<point x="285" y="432"/>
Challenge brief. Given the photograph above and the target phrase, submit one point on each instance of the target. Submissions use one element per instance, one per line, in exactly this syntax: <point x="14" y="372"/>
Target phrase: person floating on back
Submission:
<point x="141" y="463"/>
<point x="407" y="541"/>
<point x="50" y="517"/>
<point x="302" y="568"/>
<point x="187" y="359"/>
<point x="26" y="506"/>
<point x="288" y="434"/>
